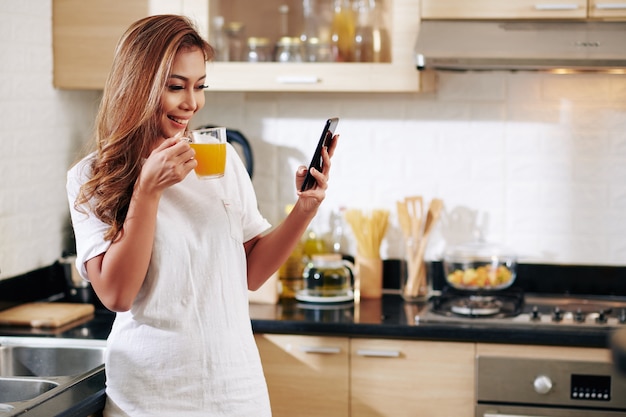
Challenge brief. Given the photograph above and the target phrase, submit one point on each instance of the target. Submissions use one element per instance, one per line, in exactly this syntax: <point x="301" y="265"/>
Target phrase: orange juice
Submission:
<point x="211" y="159"/>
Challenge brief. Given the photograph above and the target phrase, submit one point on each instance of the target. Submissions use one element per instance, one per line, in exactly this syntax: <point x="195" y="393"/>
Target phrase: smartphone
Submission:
<point x="316" y="161"/>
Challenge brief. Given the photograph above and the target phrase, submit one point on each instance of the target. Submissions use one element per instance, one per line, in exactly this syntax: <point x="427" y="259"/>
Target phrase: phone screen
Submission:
<point x="316" y="161"/>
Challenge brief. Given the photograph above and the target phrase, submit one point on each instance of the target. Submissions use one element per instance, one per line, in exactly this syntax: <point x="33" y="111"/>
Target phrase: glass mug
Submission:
<point x="210" y="147"/>
<point x="328" y="275"/>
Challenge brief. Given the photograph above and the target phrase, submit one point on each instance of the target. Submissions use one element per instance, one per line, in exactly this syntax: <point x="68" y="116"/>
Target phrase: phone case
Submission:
<point x="316" y="161"/>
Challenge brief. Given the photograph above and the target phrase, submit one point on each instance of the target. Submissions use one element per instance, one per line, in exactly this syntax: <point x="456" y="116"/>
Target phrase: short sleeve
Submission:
<point x="89" y="231"/>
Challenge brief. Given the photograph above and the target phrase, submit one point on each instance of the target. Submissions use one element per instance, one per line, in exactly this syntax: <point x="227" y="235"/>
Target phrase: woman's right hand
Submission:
<point x="168" y="164"/>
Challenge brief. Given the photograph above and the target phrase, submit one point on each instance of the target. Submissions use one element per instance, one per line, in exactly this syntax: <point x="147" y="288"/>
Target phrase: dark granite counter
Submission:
<point x="392" y="318"/>
<point x="389" y="317"/>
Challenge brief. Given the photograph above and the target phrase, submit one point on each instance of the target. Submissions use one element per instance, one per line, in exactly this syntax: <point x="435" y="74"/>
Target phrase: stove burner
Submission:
<point x="473" y="305"/>
<point x="476" y="305"/>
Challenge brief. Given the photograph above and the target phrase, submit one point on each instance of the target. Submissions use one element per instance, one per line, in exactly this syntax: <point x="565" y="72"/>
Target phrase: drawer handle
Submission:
<point x="550" y="6"/>
<point x="320" y="349"/>
<point x="297" y="79"/>
<point x="506" y="415"/>
<point x="610" y="6"/>
<point x="378" y="353"/>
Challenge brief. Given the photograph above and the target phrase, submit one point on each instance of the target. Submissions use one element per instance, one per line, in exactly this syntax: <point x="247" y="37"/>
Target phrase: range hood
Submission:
<point x="521" y="45"/>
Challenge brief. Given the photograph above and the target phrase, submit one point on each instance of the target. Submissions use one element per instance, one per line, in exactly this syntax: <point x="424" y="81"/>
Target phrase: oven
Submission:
<point x="527" y="384"/>
<point x="525" y="387"/>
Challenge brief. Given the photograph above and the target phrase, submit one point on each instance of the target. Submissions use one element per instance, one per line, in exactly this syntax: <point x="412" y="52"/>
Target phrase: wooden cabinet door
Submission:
<point x="85" y="33"/>
<point x="307" y="376"/>
<point x="509" y="9"/>
<point x="398" y="378"/>
<point x="611" y="9"/>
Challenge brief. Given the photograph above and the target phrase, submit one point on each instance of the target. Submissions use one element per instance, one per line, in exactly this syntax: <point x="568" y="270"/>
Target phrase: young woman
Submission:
<point x="174" y="255"/>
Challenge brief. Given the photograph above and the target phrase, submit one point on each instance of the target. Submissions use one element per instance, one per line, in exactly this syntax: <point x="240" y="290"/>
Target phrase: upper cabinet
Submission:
<point x="85" y="35"/>
<point x="524" y="9"/>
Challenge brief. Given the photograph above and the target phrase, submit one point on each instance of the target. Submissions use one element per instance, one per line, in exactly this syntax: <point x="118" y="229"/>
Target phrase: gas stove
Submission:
<point x="514" y="308"/>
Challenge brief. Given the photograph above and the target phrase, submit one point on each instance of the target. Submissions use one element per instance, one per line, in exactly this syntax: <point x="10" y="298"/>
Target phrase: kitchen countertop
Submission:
<point x="392" y="318"/>
<point x="389" y="317"/>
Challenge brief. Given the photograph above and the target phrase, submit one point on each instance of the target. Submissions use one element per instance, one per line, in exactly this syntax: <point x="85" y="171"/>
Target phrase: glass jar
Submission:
<point x="343" y="31"/>
<point x="234" y="32"/>
<point x="258" y="50"/>
<point x="289" y="49"/>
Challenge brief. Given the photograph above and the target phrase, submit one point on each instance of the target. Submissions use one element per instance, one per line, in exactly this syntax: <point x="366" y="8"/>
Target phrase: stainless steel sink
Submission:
<point x="22" y="389"/>
<point x="34" y="370"/>
<point x="48" y="361"/>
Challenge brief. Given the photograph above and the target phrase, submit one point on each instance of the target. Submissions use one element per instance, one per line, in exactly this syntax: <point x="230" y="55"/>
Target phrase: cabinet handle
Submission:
<point x="551" y="6"/>
<point x="320" y="349"/>
<point x="611" y="6"/>
<point x="378" y="353"/>
<point x="506" y="415"/>
<point x="297" y="79"/>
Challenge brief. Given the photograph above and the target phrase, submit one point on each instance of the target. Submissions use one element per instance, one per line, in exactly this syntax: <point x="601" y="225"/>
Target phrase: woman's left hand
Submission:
<point x="314" y="196"/>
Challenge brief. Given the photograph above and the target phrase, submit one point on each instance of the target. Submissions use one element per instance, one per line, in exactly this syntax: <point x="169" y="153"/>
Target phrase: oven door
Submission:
<point x="526" y="387"/>
<point x="488" y="410"/>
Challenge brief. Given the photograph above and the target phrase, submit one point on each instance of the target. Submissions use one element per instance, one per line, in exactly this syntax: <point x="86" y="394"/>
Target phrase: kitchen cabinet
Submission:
<point x="335" y="376"/>
<point x="524" y="9"/>
<point x="307" y="376"/>
<point x="85" y="35"/>
<point x="409" y="378"/>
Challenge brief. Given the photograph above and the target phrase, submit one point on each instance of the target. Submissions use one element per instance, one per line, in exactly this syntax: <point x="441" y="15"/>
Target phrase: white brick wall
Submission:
<point x="41" y="130"/>
<point x="540" y="159"/>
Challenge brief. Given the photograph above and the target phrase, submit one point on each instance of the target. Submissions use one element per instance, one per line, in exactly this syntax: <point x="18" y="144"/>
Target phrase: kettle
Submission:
<point x="328" y="275"/>
<point x="241" y="144"/>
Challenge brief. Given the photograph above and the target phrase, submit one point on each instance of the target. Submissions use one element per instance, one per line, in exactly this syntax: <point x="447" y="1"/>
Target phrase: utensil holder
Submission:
<point x="369" y="282"/>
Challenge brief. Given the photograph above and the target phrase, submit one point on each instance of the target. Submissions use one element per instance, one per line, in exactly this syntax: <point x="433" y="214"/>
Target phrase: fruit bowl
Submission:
<point x="479" y="267"/>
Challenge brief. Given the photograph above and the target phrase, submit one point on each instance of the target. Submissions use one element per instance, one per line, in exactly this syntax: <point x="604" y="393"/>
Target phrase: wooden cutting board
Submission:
<point x="45" y="314"/>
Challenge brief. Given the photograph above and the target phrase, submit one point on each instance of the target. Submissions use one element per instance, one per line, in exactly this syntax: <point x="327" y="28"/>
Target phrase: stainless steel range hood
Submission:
<point x="521" y="45"/>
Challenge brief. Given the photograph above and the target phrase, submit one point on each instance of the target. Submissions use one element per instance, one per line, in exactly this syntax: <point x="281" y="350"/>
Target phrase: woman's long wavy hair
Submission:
<point x="127" y="124"/>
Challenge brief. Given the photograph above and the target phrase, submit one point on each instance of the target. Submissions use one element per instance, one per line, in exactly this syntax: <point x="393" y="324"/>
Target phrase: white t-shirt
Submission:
<point x="186" y="347"/>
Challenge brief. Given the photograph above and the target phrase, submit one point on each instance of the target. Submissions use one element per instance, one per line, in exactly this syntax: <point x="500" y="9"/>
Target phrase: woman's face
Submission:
<point x="184" y="92"/>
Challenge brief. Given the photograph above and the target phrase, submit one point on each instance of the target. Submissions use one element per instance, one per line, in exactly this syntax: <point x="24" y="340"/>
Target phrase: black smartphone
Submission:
<point x="316" y="161"/>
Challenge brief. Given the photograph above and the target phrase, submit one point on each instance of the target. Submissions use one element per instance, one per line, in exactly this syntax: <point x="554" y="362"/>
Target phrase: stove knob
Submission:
<point x="579" y="316"/>
<point x="542" y="384"/>
<point x="602" y="316"/>
<point x="535" y="315"/>
<point x="557" y="314"/>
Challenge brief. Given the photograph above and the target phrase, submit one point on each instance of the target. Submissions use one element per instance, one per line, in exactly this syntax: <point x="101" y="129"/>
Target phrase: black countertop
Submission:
<point x="389" y="317"/>
<point x="393" y="318"/>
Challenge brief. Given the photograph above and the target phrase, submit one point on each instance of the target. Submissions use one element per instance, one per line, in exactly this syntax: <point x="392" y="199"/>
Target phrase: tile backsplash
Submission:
<point x="537" y="161"/>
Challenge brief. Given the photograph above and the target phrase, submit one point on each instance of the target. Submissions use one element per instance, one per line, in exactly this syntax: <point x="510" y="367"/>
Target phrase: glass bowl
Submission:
<point x="479" y="266"/>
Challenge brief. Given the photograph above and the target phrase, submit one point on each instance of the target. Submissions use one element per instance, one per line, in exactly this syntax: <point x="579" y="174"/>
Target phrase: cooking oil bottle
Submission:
<point x="290" y="272"/>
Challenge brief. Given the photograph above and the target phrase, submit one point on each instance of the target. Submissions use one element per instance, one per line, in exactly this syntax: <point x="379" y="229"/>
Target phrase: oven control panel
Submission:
<point x="552" y="382"/>
<point x="590" y="387"/>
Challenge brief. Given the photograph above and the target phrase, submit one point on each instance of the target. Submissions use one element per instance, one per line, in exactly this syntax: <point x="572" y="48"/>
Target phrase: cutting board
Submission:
<point x="45" y="314"/>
